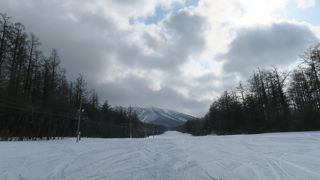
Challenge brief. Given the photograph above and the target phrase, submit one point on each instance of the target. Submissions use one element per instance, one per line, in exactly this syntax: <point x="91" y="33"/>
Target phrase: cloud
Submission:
<point x="95" y="38"/>
<point x="168" y="45"/>
<point x="278" y="44"/>
<point x="304" y="4"/>
<point x="181" y="61"/>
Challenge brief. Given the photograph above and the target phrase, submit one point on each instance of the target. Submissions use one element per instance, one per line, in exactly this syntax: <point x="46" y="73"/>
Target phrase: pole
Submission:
<point x="79" y="121"/>
<point x="153" y="131"/>
<point x="145" y="132"/>
<point x="130" y="126"/>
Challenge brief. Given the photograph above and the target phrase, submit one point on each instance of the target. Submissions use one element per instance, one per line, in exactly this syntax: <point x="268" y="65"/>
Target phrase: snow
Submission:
<point x="169" y="156"/>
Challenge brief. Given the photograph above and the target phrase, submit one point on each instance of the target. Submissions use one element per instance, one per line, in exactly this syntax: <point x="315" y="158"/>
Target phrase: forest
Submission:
<point x="270" y="101"/>
<point x="38" y="102"/>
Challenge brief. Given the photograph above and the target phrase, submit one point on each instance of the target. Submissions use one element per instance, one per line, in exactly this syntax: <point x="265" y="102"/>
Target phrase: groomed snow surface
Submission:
<point x="169" y="156"/>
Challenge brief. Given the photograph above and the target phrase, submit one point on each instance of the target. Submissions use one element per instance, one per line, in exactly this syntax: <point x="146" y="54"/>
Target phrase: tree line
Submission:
<point x="37" y="100"/>
<point x="270" y="101"/>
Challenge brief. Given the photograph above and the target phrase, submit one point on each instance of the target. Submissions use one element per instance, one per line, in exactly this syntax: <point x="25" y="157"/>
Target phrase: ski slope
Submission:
<point x="169" y="156"/>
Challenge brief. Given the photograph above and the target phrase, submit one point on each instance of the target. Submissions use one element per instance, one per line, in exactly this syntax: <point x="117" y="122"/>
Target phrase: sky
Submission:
<point x="173" y="54"/>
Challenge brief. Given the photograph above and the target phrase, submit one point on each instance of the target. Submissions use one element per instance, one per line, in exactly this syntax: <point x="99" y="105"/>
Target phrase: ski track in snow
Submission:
<point x="166" y="157"/>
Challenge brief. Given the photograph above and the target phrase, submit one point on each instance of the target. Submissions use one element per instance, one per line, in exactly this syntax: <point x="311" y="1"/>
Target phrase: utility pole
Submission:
<point x="79" y="121"/>
<point x="130" y="127"/>
<point x="129" y="114"/>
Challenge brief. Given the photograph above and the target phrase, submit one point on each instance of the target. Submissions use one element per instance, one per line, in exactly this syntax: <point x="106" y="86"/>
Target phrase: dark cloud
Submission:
<point x="181" y="36"/>
<point x="206" y="78"/>
<point x="92" y="41"/>
<point x="82" y="38"/>
<point x="210" y="85"/>
<point x="188" y="29"/>
<point x="278" y="44"/>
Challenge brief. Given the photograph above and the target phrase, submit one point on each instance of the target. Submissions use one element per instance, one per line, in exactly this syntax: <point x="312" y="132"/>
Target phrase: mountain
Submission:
<point x="164" y="117"/>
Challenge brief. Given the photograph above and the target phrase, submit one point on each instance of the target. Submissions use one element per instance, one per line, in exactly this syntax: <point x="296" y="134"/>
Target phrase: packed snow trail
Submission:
<point x="118" y="159"/>
<point x="169" y="156"/>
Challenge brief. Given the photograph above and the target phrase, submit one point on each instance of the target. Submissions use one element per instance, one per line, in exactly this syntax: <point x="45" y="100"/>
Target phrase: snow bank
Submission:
<point x="169" y="156"/>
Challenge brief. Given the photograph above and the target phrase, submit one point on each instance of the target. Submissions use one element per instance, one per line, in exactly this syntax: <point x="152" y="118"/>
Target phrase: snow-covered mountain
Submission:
<point x="160" y="116"/>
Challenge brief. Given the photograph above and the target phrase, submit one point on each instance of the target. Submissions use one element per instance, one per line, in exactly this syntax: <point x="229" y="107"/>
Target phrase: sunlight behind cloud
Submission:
<point x="260" y="12"/>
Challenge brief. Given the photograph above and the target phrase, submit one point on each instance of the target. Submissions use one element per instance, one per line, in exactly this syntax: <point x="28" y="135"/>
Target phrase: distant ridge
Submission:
<point x="164" y="117"/>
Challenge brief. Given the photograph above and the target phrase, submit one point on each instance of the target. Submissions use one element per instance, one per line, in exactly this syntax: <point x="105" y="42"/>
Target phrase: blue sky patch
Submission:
<point x="161" y="12"/>
<point x="310" y="15"/>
